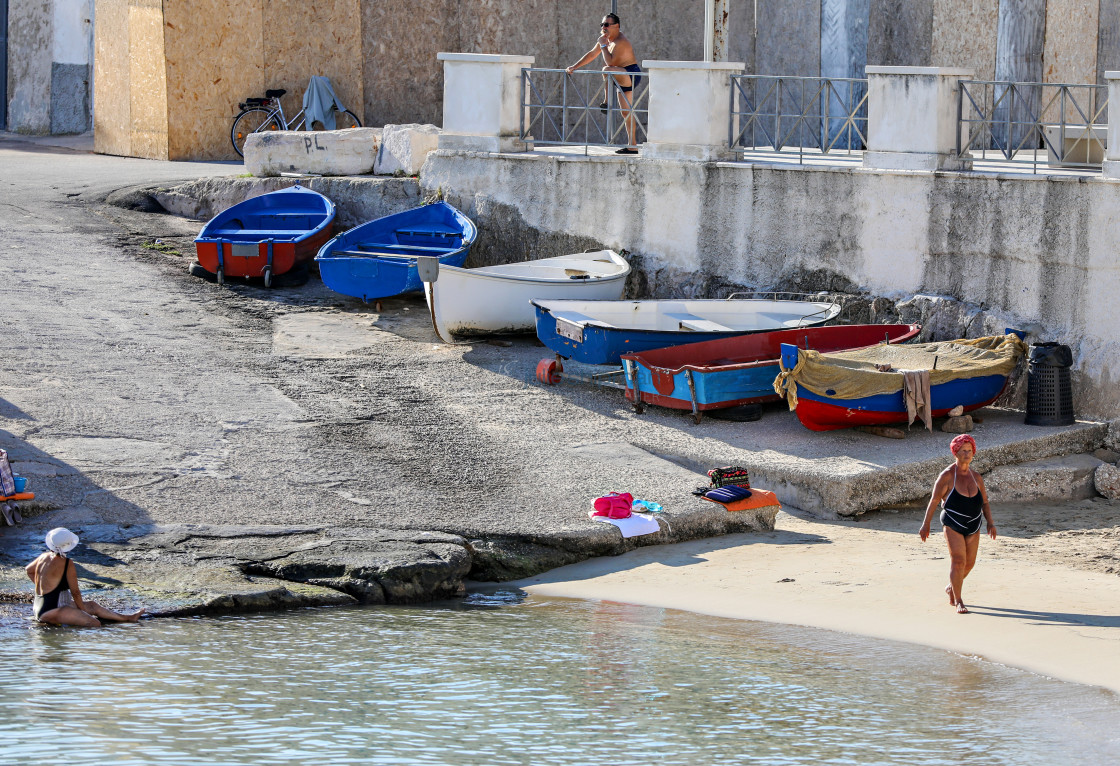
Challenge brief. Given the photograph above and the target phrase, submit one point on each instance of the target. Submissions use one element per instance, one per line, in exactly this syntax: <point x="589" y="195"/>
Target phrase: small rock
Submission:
<point x="787" y="579"/>
<point x="957" y="411"/>
<point x="1106" y="479"/>
<point x="961" y="424"/>
<point x="1107" y="455"/>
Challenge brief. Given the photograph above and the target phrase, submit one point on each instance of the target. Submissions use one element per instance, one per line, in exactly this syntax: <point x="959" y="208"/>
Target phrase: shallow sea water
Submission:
<point x="501" y="680"/>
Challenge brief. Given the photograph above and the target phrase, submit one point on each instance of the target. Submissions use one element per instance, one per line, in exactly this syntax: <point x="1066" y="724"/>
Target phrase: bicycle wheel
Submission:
<point x="347" y="119"/>
<point x="251" y="120"/>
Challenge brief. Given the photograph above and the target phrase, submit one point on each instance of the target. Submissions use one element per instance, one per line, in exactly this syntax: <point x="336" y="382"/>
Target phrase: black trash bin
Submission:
<point x="1049" y="390"/>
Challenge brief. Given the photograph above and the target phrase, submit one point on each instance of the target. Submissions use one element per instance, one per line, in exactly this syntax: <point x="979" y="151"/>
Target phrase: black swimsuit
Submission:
<point x="48" y="601"/>
<point x="962" y="513"/>
<point x="634" y="78"/>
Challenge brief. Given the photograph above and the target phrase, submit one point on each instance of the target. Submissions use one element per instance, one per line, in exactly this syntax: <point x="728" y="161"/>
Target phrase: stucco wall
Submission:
<point x="1036" y="251"/>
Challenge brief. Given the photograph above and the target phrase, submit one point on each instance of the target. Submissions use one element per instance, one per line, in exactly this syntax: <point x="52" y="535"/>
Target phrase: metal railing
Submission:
<point x="1019" y="121"/>
<point x="580" y="109"/>
<point x="779" y="113"/>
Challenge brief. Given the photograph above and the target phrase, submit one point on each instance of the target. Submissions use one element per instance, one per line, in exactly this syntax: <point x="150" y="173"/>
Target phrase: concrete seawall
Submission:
<point x="1034" y="252"/>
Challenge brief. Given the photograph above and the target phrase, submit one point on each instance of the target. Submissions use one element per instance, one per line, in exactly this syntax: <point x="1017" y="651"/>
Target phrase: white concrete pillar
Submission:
<point x="1111" y="167"/>
<point x="912" y="118"/>
<point x="482" y="95"/>
<point x="689" y="109"/>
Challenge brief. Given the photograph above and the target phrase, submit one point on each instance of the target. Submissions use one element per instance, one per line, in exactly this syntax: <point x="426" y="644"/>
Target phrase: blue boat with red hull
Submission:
<point x="866" y="387"/>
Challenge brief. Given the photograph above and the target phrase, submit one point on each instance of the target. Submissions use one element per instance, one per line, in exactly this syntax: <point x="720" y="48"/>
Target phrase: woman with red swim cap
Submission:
<point x="964" y="504"/>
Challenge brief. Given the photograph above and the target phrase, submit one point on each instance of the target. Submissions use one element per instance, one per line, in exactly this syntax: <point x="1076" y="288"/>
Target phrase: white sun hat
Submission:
<point x="61" y="540"/>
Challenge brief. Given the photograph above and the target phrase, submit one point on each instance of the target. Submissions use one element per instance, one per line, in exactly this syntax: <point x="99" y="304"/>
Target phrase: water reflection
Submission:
<point x="499" y="680"/>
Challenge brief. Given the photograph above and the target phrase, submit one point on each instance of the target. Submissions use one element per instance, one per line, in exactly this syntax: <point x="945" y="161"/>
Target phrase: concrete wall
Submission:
<point x="49" y="66"/>
<point x="1033" y="252"/>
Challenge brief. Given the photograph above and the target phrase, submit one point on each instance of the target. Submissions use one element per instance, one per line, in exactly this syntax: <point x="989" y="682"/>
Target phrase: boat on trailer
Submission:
<point x="378" y="259"/>
<point x="866" y="387"/>
<point x="731" y="372"/>
<point x="267" y="235"/>
<point x="600" y="332"/>
<point x="497" y="299"/>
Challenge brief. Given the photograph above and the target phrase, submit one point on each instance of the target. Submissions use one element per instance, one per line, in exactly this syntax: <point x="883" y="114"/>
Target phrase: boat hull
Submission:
<point x="596" y="341"/>
<point x="728" y="373"/>
<point x="823" y="413"/>
<point x="498" y="299"/>
<point x="276" y="231"/>
<point x="378" y="259"/>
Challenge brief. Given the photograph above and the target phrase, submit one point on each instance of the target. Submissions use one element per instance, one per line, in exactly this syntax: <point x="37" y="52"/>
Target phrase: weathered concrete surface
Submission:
<point x="1053" y="480"/>
<point x="404" y="148"/>
<point x="350" y="152"/>
<point x="1035" y="253"/>
<point x="1106" y="480"/>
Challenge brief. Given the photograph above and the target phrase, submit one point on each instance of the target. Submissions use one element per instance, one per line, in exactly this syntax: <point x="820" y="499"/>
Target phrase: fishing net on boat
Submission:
<point x="859" y="373"/>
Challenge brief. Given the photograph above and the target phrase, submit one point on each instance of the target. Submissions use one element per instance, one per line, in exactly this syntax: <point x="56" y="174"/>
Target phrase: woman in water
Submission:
<point x="58" y="600"/>
<point x="964" y="504"/>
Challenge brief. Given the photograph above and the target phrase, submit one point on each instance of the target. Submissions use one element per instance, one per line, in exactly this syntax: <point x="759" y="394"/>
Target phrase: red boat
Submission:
<point x="267" y="235"/>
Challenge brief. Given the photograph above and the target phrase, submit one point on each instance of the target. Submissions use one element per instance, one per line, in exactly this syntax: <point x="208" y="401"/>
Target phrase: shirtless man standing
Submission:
<point x="619" y="57"/>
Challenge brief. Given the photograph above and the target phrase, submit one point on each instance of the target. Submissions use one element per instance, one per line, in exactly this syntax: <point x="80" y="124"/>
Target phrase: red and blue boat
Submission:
<point x="866" y="387"/>
<point x="267" y="235"/>
<point x="730" y="372"/>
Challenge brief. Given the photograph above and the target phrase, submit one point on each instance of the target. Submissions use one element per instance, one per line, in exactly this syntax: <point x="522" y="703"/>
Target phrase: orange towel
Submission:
<point x="758" y="499"/>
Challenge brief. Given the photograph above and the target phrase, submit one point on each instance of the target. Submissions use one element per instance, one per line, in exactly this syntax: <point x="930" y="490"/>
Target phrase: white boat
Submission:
<point x="496" y="299"/>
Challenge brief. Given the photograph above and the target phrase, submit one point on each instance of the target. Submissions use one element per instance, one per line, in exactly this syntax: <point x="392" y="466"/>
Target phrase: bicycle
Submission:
<point x="260" y="114"/>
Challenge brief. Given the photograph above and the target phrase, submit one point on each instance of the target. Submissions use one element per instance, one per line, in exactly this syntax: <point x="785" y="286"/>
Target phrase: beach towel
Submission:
<point x="7" y="480"/>
<point x="631" y="526"/>
<point x="759" y="498"/>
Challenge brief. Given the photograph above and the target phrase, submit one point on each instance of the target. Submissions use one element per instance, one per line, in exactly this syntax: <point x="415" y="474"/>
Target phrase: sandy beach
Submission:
<point x="1044" y="597"/>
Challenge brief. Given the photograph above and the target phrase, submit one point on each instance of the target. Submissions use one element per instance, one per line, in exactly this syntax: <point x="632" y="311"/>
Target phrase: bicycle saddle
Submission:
<point x="275" y="93"/>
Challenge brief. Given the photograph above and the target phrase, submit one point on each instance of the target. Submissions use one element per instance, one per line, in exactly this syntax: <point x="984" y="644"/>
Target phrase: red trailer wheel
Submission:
<point x="547" y="372"/>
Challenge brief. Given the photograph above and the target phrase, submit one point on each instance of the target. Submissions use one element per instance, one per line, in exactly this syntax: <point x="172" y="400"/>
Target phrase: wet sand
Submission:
<point x="1044" y="597"/>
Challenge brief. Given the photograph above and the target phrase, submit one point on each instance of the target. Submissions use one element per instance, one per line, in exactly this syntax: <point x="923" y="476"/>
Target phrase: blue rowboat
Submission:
<point x="265" y="235"/>
<point x="718" y="374"/>
<point x="378" y="258"/>
<point x="600" y="332"/>
<point x="866" y="387"/>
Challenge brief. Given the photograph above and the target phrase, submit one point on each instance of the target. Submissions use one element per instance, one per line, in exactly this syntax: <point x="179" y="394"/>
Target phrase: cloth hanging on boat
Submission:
<point x="320" y="103"/>
<point x="852" y="374"/>
<point x="915" y="391"/>
<point x="760" y="498"/>
<point x="7" y="479"/>
<point x="633" y="525"/>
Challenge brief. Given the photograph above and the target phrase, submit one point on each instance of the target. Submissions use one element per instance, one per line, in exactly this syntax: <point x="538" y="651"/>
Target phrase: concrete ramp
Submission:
<point x="849" y="472"/>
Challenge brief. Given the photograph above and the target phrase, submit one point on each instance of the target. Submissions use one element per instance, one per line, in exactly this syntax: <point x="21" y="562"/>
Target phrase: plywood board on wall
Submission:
<point x="1071" y="41"/>
<point x="900" y="32"/>
<point x="111" y="93"/>
<point x="302" y="39"/>
<point x="1108" y="39"/>
<point x="402" y="79"/>
<point x="215" y="59"/>
<point x="147" y="80"/>
<point x="964" y="35"/>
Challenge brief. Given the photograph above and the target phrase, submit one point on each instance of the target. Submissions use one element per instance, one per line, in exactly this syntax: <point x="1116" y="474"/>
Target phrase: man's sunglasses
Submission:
<point x="607" y="24"/>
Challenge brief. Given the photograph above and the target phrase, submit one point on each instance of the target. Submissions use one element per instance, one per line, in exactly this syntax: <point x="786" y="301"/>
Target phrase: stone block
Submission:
<point x="1106" y="480"/>
<point x="1107" y="455"/>
<point x="351" y="152"/>
<point x="961" y="424"/>
<point x="1053" y="480"/>
<point x="405" y="147"/>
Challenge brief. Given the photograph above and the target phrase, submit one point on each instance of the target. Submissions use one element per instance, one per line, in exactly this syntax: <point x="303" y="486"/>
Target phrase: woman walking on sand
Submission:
<point x="964" y="504"/>
<point x="58" y="600"/>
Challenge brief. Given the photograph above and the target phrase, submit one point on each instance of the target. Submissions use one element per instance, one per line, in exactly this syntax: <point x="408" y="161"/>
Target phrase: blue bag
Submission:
<point x="728" y="494"/>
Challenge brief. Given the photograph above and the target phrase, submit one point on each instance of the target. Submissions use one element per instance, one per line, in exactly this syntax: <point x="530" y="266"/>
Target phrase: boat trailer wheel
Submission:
<point x="220" y="274"/>
<point x="267" y="276"/>
<point x="548" y="372"/>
